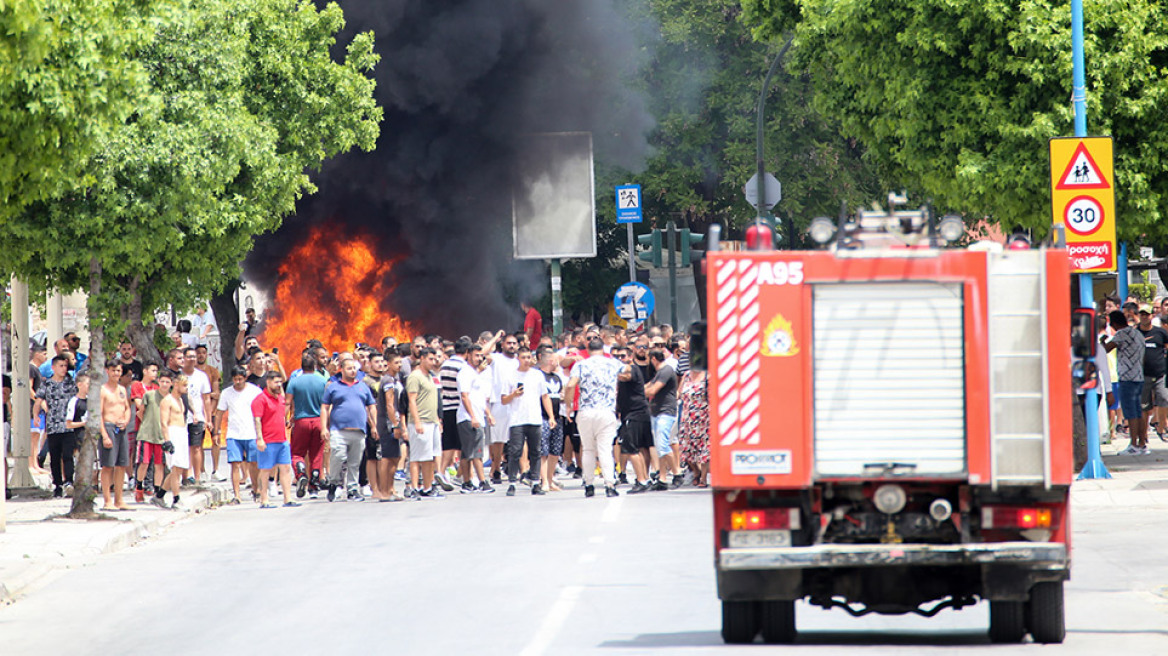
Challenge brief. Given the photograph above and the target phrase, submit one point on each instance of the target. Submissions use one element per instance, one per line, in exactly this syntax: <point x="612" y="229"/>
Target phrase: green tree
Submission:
<point x="65" y="82"/>
<point x="702" y="77"/>
<point x="959" y="97"/>
<point x="245" y="98"/>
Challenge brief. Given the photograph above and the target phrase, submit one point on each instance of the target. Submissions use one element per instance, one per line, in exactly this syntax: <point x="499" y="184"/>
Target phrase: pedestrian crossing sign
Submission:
<point x="1082" y="172"/>
<point x="1082" y="195"/>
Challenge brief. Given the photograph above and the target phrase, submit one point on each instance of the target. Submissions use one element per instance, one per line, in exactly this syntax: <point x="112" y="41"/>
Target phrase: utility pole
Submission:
<point x="21" y="476"/>
<point x="1094" y="467"/>
<point x="760" y="160"/>
<point x="557" y="299"/>
<point x="671" y="242"/>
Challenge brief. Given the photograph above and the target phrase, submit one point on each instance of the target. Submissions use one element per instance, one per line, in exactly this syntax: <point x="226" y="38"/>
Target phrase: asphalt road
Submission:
<point x="558" y="575"/>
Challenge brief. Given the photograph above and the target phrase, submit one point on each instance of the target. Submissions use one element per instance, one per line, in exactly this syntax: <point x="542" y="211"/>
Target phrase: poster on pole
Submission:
<point x="554" y="200"/>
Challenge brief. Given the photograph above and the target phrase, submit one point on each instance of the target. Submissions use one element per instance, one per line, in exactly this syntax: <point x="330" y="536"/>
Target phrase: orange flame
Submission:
<point x="342" y="266"/>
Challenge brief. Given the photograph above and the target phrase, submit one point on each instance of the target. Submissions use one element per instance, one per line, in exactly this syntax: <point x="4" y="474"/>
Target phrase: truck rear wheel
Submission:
<point x="1044" y="613"/>
<point x="1007" y="621"/>
<point x="777" y="619"/>
<point x="739" y="621"/>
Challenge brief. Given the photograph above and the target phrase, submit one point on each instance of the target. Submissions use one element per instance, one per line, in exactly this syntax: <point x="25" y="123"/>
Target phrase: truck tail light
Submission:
<point x="1014" y="517"/>
<point x="755" y="520"/>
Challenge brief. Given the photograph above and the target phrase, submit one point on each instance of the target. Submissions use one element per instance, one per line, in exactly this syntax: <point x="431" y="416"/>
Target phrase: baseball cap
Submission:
<point x="1145" y="308"/>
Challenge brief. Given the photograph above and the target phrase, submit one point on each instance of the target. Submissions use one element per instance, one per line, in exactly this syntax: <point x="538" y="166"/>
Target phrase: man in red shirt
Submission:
<point x="532" y="325"/>
<point x="271" y="439"/>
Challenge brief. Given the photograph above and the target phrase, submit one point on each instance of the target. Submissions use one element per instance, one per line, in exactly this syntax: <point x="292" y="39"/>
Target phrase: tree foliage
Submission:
<point x="66" y="81"/>
<point x="244" y="99"/>
<point x="959" y="97"/>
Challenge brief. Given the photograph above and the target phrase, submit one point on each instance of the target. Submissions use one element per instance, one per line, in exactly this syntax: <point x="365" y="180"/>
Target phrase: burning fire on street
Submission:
<point x="331" y="287"/>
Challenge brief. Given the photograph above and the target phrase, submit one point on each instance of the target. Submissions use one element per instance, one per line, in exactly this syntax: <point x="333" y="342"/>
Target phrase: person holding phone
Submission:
<point x="525" y="403"/>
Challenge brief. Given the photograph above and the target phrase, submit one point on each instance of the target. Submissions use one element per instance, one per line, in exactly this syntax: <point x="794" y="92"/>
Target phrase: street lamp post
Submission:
<point x="760" y="161"/>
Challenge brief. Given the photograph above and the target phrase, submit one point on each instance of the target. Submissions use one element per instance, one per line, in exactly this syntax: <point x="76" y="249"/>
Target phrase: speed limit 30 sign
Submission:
<point x="1082" y="193"/>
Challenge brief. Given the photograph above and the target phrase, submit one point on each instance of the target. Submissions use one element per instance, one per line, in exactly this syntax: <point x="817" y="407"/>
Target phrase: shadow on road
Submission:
<point x="713" y="638"/>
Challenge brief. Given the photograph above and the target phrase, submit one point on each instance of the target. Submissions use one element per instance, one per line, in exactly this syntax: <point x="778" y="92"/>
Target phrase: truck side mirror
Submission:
<point x="1083" y="332"/>
<point x="697" y="346"/>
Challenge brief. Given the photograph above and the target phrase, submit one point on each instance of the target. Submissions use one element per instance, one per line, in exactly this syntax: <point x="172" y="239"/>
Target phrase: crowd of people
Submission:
<point x="517" y="411"/>
<point x="1131" y="365"/>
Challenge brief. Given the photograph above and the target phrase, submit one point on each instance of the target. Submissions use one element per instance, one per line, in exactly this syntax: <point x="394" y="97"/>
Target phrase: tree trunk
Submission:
<point x="140" y="334"/>
<point x="1079" y="432"/>
<point x="227" y="317"/>
<point x="84" y="490"/>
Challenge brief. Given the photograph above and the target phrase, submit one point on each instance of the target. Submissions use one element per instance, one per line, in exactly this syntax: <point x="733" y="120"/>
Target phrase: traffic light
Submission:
<point x="688" y="240"/>
<point x="653" y="241"/>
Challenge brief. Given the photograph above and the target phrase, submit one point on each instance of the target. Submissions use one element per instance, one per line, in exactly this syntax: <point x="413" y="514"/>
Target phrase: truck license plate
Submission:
<point x="750" y="539"/>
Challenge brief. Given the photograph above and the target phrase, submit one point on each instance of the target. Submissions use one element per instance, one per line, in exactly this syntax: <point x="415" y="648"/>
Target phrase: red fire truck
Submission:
<point x="890" y="428"/>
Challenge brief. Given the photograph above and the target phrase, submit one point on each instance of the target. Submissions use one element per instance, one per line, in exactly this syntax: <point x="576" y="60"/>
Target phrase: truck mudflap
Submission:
<point x="1033" y="555"/>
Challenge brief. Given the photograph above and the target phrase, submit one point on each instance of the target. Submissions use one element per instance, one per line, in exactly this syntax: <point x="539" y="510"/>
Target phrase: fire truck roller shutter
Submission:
<point x="889" y="378"/>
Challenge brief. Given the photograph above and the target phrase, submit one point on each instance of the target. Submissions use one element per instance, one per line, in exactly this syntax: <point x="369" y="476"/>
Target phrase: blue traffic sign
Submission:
<point x="628" y="204"/>
<point x="634" y="302"/>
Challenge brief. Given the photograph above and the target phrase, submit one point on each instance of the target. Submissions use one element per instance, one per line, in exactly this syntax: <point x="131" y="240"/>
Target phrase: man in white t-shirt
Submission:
<point x="199" y="402"/>
<point x="524" y="400"/>
<point x="241" y="436"/>
<point x="502" y="368"/>
<point x="474" y="415"/>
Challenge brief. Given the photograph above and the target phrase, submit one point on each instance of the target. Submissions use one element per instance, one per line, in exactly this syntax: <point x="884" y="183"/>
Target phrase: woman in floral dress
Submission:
<point x="695" y="425"/>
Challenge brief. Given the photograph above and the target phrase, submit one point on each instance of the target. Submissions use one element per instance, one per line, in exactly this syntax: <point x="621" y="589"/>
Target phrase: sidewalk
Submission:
<point x="1136" y="481"/>
<point x="38" y="542"/>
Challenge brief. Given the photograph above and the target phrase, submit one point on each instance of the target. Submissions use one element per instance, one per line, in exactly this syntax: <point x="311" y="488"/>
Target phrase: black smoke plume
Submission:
<point x="460" y="81"/>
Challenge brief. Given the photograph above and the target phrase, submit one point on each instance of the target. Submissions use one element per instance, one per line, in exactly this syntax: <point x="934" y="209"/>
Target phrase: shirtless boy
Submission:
<point x="174" y="426"/>
<point x="115" y="444"/>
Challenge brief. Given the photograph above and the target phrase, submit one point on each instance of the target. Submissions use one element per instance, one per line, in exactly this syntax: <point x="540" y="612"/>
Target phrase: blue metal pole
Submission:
<point x="1094" y="467"/>
<point x="1121" y="274"/>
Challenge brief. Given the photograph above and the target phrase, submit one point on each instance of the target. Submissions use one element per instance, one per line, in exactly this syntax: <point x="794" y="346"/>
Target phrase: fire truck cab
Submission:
<point x="890" y="429"/>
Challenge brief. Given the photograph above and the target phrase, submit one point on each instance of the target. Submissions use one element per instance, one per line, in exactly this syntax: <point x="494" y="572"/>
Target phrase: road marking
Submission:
<point x="553" y="622"/>
<point x="612" y="511"/>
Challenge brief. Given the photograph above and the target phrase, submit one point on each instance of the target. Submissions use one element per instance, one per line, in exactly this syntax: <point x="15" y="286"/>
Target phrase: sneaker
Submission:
<point x="486" y="488"/>
<point x="218" y="477"/>
<point x="432" y="493"/>
<point x="291" y="504"/>
<point x="611" y="492"/>
<point x="69" y="490"/>
<point x="589" y="491"/>
<point x="623" y="479"/>
<point x="576" y="473"/>
<point x="560" y="471"/>
<point x="443" y="483"/>
<point x="301" y="486"/>
<point x="658" y="486"/>
<point x="234" y="502"/>
<point x="678" y="481"/>
<point x="58" y="492"/>
<point x="204" y="477"/>
<point x="190" y="480"/>
<point x="511" y="490"/>
<point x="1131" y="450"/>
<point x="332" y="492"/>
<point x="400" y="475"/>
<point x="497" y="478"/>
<point x="410" y="493"/>
<point x="525" y="480"/>
<point x="1163" y="436"/>
<point x="355" y="495"/>
<point x="158" y="501"/>
<point x="537" y="490"/>
<point x="1144" y="451"/>
<point x="367" y="491"/>
<point x="638" y="488"/>
<point x="139" y="496"/>
<point x="467" y="488"/>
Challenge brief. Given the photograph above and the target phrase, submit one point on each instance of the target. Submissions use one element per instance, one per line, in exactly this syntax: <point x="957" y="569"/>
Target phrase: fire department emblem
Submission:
<point x="778" y="340"/>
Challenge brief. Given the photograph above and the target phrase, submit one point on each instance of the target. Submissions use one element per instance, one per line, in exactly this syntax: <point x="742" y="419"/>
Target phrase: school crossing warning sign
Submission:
<point x="1082" y="193"/>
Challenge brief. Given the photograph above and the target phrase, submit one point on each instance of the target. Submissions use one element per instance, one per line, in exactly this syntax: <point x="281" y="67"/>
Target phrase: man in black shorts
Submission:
<point x="390" y="426"/>
<point x="636" y="427"/>
<point x="451" y="399"/>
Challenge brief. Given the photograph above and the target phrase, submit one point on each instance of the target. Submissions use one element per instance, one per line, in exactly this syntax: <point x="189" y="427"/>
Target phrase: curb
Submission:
<point x="127" y="535"/>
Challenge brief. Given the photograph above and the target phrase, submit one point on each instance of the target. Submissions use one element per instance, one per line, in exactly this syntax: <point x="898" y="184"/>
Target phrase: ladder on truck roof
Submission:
<point x="1019" y="386"/>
